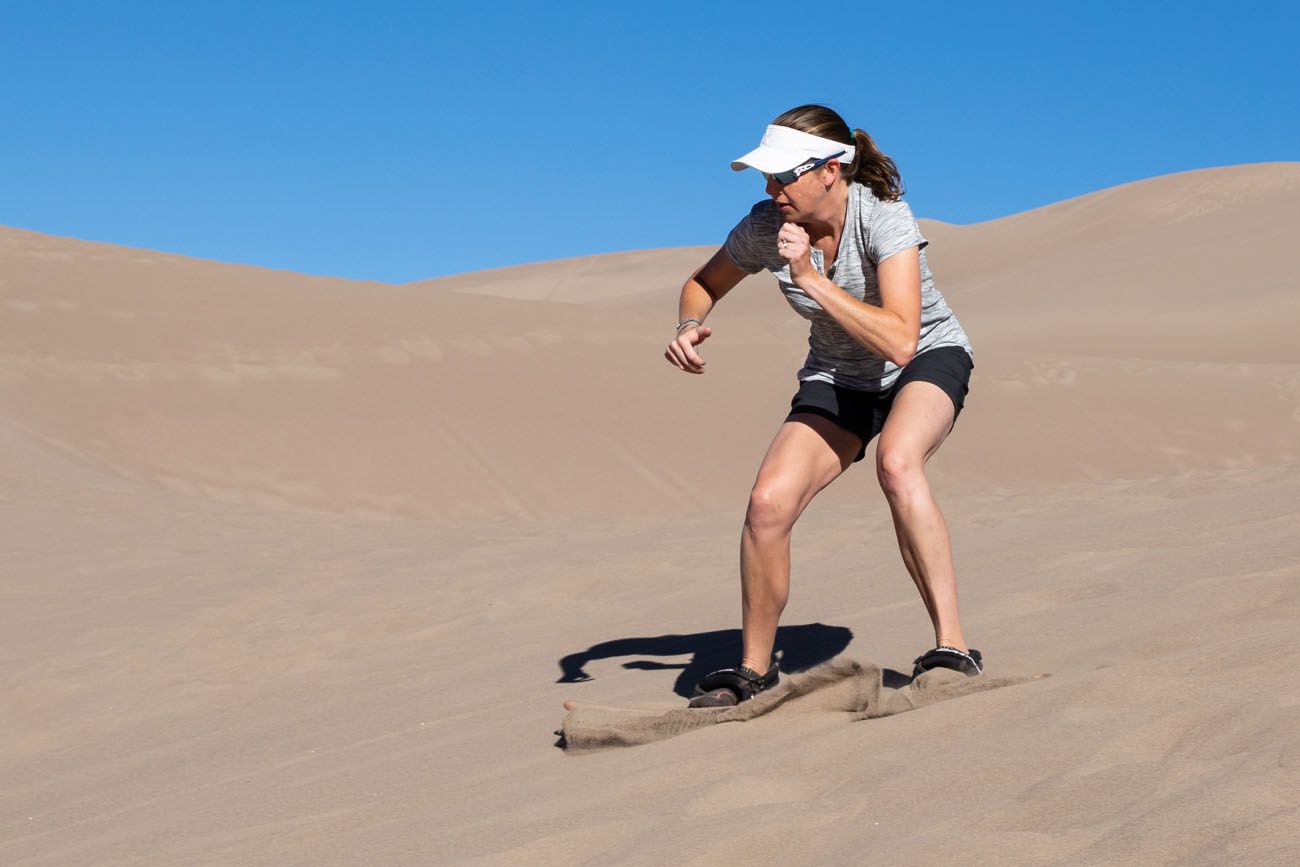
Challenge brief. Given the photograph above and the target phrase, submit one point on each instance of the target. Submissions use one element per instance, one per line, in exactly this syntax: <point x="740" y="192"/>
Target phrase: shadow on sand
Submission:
<point x="798" y="648"/>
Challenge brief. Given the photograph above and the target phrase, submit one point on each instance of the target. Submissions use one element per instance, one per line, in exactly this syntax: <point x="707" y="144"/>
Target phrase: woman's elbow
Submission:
<point x="904" y="353"/>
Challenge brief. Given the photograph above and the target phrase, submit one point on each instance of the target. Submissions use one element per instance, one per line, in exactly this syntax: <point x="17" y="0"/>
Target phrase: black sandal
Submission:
<point x="969" y="663"/>
<point x="729" y="686"/>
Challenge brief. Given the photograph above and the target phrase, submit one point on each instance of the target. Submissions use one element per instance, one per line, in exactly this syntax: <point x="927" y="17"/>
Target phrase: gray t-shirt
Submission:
<point x="874" y="230"/>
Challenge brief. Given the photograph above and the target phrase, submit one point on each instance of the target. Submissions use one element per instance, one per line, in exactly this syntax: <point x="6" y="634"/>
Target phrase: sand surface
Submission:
<point x="291" y="566"/>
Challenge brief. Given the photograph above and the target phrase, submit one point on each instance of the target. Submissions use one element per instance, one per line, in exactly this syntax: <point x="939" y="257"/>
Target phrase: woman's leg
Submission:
<point x="918" y="423"/>
<point x="808" y="453"/>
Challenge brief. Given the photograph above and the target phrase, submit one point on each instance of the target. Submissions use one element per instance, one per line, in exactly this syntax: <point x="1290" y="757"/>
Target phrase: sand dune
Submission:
<point x="249" y="384"/>
<point x="290" y="564"/>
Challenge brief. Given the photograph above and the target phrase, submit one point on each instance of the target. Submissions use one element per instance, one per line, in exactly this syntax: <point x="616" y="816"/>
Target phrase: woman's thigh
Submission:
<point x="919" y="421"/>
<point x="931" y="392"/>
<point x="807" y="454"/>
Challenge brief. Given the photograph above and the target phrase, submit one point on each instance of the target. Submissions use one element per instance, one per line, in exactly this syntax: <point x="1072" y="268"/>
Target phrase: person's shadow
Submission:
<point x="797" y="648"/>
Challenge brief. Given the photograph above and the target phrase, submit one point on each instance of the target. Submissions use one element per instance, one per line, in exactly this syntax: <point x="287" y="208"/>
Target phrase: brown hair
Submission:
<point x="870" y="167"/>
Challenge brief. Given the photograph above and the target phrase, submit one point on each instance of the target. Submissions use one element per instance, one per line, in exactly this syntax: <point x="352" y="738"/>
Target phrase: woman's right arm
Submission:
<point x="700" y="292"/>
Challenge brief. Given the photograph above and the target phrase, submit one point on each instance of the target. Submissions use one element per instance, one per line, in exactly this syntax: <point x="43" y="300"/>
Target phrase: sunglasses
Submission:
<point x="793" y="174"/>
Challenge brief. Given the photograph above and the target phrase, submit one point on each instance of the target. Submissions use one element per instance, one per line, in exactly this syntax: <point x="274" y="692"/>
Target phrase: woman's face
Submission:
<point x="801" y="199"/>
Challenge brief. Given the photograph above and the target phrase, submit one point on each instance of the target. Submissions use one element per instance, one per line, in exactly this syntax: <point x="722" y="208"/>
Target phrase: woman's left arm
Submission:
<point x="891" y="330"/>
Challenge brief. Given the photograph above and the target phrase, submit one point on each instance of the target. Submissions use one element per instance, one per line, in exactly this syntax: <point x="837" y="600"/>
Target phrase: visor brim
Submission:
<point x="768" y="160"/>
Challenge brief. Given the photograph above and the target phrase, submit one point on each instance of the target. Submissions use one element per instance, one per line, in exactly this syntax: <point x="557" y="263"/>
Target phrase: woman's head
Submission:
<point x="868" y="166"/>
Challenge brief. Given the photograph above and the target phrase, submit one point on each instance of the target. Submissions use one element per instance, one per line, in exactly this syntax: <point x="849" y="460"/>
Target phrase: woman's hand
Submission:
<point x="681" y="351"/>
<point x="795" y="247"/>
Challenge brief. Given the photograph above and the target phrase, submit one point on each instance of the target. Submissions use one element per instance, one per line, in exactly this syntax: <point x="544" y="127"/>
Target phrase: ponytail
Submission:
<point x="873" y="169"/>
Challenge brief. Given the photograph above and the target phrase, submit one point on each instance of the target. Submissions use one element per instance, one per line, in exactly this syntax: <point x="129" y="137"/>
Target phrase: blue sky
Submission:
<point x="398" y="141"/>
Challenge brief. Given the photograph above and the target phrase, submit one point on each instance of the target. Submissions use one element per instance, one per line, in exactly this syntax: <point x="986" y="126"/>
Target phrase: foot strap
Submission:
<point x="744" y="682"/>
<point x="968" y="662"/>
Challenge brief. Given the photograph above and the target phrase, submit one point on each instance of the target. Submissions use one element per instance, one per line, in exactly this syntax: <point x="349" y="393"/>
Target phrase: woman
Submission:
<point x="886" y="356"/>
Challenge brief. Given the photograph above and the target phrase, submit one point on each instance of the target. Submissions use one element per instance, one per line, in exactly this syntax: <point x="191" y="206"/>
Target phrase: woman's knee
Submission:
<point x="901" y="471"/>
<point x="773" y="507"/>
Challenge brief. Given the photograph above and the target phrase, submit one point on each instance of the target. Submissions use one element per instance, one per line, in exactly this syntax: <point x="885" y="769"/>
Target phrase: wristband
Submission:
<point x="681" y="326"/>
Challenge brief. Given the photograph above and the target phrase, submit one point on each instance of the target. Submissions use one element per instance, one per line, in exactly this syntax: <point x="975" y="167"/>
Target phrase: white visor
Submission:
<point x="783" y="148"/>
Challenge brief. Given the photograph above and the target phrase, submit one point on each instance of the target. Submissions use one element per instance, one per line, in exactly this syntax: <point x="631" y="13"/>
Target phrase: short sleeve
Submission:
<point x="752" y="242"/>
<point x="891" y="228"/>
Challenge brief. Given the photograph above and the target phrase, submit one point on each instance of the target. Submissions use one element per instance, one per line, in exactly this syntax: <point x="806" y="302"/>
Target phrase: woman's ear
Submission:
<point x="834" y="170"/>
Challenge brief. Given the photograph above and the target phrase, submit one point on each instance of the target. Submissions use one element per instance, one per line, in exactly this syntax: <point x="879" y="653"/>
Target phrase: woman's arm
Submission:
<point x="891" y="330"/>
<point x="706" y="286"/>
<point x="701" y="291"/>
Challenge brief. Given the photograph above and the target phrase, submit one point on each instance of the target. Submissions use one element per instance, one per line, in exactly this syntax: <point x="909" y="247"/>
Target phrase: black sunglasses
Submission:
<point x="793" y="174"/>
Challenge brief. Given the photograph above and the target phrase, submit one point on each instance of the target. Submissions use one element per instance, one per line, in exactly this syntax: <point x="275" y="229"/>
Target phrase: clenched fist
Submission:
<point x="795" y="247"/>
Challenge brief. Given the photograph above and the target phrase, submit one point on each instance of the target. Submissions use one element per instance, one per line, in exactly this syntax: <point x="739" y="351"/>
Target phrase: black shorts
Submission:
<point x="864" y="412"/>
